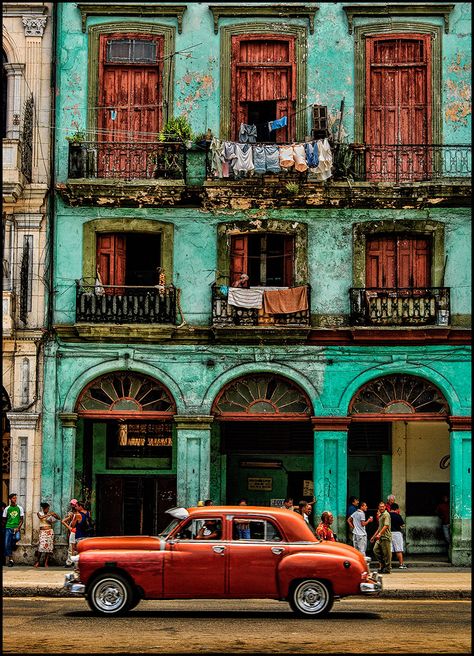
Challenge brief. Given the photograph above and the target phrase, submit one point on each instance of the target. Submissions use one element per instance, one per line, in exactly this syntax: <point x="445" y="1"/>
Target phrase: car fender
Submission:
<point x="344" y="573"/>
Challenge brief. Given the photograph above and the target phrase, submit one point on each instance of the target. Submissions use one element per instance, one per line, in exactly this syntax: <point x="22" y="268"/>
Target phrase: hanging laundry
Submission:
<point x="243" y="162"/>
<point x="113" y="114"/>
<point x="245" y="298"/>
<point x="287" y="159"/>
<point x="229" y="157"/>
<point x="285" y="301"/>
<point x="312" y="155"/>
<point x="266" y="158"/>
<point x="324" y="168"/>
<point x="247" y="133"/>
<point x="299" y="155"/>
<point x="279" y="123"/>
<point x="217" y="157"/>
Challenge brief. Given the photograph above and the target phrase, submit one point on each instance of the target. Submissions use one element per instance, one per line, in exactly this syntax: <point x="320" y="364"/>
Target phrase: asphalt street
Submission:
<point x="54" y="625"/>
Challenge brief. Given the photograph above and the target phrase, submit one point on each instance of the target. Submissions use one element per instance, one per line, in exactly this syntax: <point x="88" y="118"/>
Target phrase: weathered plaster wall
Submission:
<point x="330" y="68"/>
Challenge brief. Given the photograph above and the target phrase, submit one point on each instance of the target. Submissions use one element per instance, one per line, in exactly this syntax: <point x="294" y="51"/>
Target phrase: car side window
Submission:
<point x="201" y="529"/>
<point x="254" y="529"/>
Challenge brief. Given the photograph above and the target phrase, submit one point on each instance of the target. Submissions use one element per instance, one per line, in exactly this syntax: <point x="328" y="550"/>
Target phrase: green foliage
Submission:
<point x="292" y="187"/>
<point x="77" y="137"/>
<point x="176" y="128"/>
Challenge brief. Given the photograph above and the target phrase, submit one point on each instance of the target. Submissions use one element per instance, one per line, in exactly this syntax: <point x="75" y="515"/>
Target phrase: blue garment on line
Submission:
<point x="247" y="133"/>
<point x="266" y="159"/>
<point x="279" y="123"/>
<point x="312" y="154"/>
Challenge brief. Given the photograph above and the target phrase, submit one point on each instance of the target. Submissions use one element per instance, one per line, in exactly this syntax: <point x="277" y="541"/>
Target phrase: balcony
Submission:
<point x="96" y="304"/>
<point x="400" y="307"/>
<point x="408" y="163"/>
<point x="225" y="315"/>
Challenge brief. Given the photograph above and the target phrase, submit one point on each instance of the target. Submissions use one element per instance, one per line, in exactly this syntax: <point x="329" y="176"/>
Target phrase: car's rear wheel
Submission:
<point x="110" y="594"/>
<point x="311" y="598"/>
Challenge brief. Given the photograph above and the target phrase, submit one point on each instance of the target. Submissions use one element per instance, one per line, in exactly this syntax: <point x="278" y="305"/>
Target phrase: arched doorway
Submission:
<point x="125" y="461"/>
<point x="398" y="442"/>
<point x="263" y="445"/>
<point x="6" y="446"/>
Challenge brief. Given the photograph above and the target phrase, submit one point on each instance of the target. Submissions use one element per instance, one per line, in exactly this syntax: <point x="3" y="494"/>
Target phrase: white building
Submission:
<point x="26" y="131"/>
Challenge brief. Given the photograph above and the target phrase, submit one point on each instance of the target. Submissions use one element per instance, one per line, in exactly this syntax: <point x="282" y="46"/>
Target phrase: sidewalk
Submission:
<point x="420" y="582"/>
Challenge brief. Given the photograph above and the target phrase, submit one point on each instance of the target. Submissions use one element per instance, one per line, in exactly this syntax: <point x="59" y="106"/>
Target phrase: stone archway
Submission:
<point x="263" y="447"/>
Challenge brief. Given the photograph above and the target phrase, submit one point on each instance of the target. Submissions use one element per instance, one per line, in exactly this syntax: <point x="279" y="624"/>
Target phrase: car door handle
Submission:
<point x="277" y="550"/>
<point x="218" y="549"/>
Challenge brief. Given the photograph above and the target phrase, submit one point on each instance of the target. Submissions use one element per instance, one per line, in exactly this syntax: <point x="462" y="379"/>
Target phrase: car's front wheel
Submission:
<point x="110" y="594"/>
<point x="311" y="598"/>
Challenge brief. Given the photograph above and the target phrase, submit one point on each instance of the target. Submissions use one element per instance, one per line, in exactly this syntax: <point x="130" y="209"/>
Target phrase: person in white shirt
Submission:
<point x="358" y="522"/>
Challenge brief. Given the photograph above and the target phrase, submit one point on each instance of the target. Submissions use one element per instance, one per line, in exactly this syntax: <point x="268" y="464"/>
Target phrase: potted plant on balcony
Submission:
<point x="177" y="129"/>
<point x="77" y="154"/>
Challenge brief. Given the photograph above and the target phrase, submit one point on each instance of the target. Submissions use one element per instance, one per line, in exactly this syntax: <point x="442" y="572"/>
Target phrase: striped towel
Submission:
<point x="245" y="298"/>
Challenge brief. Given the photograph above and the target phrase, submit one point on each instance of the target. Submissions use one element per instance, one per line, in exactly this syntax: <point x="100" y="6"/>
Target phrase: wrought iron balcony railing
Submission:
<point x="406" y="163"/>
<point x="226" y="315"/>
<point x="125" y="304"/>
<point x="127" y="161"/>
<point x="400" y="307"/>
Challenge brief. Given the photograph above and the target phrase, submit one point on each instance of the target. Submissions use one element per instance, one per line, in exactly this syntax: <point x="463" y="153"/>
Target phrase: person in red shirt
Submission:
<point x="324" y="530"/>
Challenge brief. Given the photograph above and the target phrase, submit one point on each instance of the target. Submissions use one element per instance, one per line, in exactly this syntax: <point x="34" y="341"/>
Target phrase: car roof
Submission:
<point x="293" y="524"/>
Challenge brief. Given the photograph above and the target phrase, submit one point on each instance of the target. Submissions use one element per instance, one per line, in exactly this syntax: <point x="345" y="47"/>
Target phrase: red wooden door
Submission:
<point x="398" y="106"/>
<point x="398" y="262"/>
<point x="238" y="258"/>
<point x="130" y="104"/>
<point x="111" y="261"/>
<point x="263" y="69"/>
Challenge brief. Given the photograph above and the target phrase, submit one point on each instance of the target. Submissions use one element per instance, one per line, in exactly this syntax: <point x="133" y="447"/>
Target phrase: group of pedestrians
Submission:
<point x="387" y="538"/>
<point x="78" y="523"/>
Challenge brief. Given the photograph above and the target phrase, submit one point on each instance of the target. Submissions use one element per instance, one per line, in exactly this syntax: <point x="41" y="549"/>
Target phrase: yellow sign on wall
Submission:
<point x="259" y="483"/>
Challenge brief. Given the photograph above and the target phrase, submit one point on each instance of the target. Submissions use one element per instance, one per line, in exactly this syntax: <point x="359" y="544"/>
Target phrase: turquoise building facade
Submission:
<point x="146" y="408"/>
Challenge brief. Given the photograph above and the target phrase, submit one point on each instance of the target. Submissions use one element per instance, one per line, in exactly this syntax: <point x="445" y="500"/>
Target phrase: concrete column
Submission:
<point x="23" y="474"/>
<point x="193" y="458"/>
<point x="68" y="424"/>
<point x="460" y="497"/>
<point x="14" y="99"/>
<point x="330" y="469"/>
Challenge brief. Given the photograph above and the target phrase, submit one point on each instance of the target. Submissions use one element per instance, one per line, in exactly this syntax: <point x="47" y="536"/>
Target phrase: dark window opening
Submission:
<point x="260" y="114"/>
<point x="422" y="498"/>
<point x="267" y="255"/>
<point x="370" y="438"/>
<point x="143" y="259"/>
<point x="133" y="51"/>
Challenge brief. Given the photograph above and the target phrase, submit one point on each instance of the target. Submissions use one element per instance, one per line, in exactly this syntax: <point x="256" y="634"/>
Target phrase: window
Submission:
<point x="267" y="258"/>
<point x="398" y="261"/>
<point x="254" y="529"/>
<point x="131" y="51"/>
<point x="131" y="259"/>
<point x="201" y="529"/>
<point x="264" y="83"/>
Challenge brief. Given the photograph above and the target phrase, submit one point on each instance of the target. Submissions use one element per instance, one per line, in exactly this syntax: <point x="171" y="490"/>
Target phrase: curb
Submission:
<point x="43" y="591"/>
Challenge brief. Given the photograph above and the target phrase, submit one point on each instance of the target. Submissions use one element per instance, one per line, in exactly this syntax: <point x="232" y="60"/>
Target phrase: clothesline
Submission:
<point x="241" y="159"/>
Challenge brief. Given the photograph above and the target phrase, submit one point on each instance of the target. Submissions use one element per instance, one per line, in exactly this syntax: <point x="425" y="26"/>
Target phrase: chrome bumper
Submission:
<point x="72" y="584"/>
<point x="372" y="585"/>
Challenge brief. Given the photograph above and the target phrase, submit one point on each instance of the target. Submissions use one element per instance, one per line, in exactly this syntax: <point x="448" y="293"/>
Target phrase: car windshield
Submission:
<point x="172" y="525"/>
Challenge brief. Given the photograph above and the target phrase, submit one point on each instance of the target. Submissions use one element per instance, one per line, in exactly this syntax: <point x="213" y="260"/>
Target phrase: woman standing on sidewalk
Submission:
<point x="46" y="534"/>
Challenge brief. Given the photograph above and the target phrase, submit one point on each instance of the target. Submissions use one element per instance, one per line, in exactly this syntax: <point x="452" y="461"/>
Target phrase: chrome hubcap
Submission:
<point x="311" y="597"/>
<point x="109" y="595"/>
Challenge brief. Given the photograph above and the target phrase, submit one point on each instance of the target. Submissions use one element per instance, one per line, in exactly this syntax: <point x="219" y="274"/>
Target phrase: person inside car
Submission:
<point x="210" y="530"/>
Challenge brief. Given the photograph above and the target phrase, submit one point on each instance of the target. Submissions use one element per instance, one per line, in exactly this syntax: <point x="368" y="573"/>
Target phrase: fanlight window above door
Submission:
<point x="399" y="394"/>
<point x="125" y="392"/>
<point x="262" y="395"/>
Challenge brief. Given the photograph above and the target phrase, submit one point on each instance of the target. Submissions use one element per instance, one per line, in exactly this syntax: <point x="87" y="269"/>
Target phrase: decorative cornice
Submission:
<point x="330" y="423"/>
<point x="20" y="9"/>
<point x="459" y="423"/>
<point x="68" y="419"/>
<point x="34" y="25"/>
<point x="28" y="221"/>
<point x="267" y="11"/>
<point x="19" y="420"/>
<point x="389" y="9"/>
<point x="127" y="9"/>
<point x="193" y="422"/>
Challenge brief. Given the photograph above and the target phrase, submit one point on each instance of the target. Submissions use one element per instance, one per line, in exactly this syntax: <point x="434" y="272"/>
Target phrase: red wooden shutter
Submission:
<point x="288" y="263"/>
<point x="238" y="257"/>
<point x="414" y="262"/>
<point x="381" y="262"/>
<point x="111" y="260"/>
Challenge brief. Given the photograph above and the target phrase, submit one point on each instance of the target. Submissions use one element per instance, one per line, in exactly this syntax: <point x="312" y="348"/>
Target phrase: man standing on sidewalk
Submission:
<point x="383" y="540"/>
<point x="13" y="517"/>
<point x="357" y="523"/>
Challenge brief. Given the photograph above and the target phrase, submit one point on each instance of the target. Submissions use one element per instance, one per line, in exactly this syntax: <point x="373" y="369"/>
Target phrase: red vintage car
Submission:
<point x="222" y="552"/>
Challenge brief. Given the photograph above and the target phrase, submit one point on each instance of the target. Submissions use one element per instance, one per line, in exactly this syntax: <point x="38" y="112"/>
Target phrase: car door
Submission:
<point x="195" y="567"/>
<point x="254" y="555"/>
